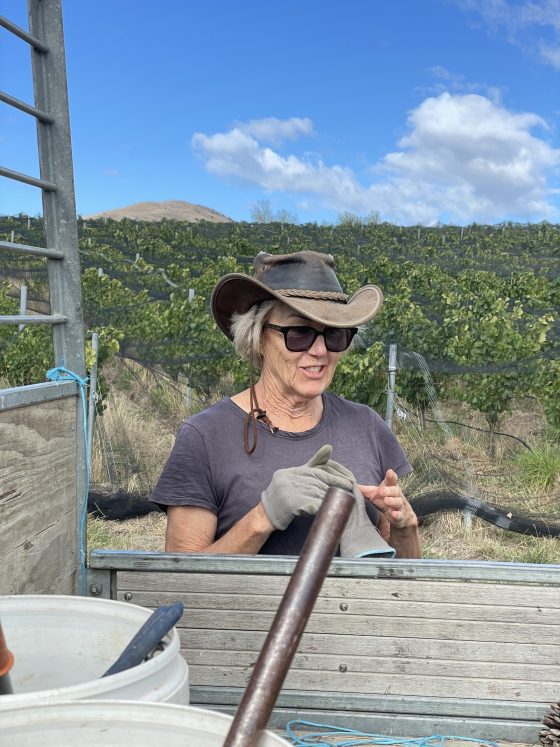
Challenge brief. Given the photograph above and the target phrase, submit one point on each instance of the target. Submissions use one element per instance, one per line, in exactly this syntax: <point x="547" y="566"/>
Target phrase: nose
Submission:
<point x="318" y="348"/>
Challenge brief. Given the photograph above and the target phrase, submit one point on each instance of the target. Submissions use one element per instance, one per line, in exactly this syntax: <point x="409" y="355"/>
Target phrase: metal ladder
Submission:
<point x="56" y="181"/>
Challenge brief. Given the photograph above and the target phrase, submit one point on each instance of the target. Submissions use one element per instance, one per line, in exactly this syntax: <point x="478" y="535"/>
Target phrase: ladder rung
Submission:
<point x="35" y="43"/>
<point x="37" y="250"/>
<point x="34" y="319"/>
<point x="27" y="108"/>
<point x="32" y="180"/>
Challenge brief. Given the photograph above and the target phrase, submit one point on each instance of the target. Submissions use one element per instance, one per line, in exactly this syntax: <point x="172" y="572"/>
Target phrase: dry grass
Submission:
<point x="145" y="411"/>
<point x="136" y="432"/>
<point x="144" y="533"/>
<point x="447" y="537"/>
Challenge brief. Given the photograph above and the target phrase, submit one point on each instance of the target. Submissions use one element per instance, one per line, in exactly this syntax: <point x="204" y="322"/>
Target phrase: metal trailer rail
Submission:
<point x="42" y="453"/>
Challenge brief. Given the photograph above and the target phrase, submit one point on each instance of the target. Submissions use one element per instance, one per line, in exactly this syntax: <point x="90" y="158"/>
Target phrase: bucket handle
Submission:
<point x="147" y="638"/>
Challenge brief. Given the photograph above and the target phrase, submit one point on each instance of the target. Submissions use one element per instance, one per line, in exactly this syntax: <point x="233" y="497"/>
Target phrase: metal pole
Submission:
<point x="92" y="396"/>
<point x="59" y="216"/>
<point x="391" y="385"/>
<point x="22" y="304"/>
<point x="188" y="393"/>
<point x="291" y="618"/>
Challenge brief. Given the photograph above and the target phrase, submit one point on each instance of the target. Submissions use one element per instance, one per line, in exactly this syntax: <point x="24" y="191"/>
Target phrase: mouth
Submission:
<point x="313" y="372"/>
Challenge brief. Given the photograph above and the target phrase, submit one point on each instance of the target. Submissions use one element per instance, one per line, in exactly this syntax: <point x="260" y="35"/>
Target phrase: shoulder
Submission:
<point x="367" y="430"/>
<point x="338" y="406"/>
<point x="217" y="416"/>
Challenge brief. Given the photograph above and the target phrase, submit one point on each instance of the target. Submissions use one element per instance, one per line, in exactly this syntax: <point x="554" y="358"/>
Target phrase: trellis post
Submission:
<point x="391" y="384"/>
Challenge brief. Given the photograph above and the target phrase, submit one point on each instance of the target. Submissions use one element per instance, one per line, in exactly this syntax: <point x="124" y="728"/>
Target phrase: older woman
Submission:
<point x="246" y="475"/>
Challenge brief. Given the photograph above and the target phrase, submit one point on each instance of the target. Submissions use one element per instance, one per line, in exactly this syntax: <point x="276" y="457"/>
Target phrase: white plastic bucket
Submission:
<point x="116" y="723"/>
<point x="62" y="645"/>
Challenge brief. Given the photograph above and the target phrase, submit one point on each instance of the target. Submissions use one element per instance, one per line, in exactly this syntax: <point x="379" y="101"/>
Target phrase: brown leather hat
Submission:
<point x="304" y="281"/>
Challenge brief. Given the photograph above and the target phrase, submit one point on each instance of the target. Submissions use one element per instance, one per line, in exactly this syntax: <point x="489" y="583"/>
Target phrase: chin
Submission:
<point x="312" y="389"/>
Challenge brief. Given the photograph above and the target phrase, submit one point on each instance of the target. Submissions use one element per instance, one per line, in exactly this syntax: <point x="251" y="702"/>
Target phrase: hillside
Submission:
<point x="167" y="209"/>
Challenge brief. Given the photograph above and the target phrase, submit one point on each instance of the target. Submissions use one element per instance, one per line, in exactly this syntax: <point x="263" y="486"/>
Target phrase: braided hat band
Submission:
<point x="324" y="295"/>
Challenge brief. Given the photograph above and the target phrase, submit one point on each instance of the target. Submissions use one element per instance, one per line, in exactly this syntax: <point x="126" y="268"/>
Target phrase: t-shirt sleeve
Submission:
<point x="391" y="454"/>
<point x="186" y="479"/>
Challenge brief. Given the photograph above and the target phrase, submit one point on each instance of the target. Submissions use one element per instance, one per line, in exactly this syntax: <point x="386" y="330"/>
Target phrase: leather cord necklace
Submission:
<point x="255" y="414"/>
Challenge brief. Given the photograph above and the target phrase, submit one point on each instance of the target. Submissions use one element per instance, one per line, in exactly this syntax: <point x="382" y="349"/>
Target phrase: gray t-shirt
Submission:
<point x="208" y="466"/>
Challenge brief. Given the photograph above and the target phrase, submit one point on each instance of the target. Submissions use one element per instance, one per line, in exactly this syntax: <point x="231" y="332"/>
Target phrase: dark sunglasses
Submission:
<point x="298" y="339"/>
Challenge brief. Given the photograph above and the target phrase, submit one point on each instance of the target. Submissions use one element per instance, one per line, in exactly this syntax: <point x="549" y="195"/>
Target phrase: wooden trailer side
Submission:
<point x="399" y="647"/>
<point x="39" y="482"/>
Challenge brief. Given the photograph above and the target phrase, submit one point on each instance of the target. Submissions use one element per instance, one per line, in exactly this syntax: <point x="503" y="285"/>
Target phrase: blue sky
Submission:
<point x="418" y="110"/>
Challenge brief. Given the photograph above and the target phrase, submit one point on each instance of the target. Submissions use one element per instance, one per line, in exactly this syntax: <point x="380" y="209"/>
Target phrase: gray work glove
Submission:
<point x="300" y="490"/>
<point x="360" y="538"/>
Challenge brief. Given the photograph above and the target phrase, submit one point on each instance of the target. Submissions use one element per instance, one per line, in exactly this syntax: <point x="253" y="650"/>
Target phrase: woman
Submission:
<point x="233" y="482"/>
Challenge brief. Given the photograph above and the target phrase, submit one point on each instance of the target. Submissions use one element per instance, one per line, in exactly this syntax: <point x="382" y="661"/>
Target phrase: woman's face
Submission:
<point x="303" y="375"/>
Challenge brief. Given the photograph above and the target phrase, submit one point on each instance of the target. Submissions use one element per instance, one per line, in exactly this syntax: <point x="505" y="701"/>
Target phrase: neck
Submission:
<point x="287" y="411"/>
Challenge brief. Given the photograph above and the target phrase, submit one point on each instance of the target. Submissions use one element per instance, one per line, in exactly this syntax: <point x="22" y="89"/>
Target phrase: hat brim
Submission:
<point x="237" y="293"/>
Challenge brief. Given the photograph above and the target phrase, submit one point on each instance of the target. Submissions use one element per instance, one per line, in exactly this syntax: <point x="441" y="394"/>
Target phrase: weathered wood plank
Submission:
<point x="430" y="609"/>
<point x="386" y="665"/>
<point x="345" y="589"/>
<point x="364" y="625"/>
<point x="410" y="685"/>
<point x="38" y="498"/>
<point x="521" y="652"/>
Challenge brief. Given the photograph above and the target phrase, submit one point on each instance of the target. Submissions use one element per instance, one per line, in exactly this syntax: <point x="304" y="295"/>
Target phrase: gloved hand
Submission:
<point x="300" y="490"/>
<point x="359" y="538"/>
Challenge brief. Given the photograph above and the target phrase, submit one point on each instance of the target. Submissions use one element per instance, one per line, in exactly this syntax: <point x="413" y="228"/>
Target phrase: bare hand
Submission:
<point x="395" y="511"/>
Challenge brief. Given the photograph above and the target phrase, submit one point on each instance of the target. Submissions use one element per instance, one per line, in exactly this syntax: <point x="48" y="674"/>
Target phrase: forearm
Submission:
<point x="406" y="542"/>
<point x="247" y="536"/>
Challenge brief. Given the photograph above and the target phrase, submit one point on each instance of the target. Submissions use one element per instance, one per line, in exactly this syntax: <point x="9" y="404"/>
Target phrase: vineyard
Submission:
<point x="472" y="310"/>
<point x="479" y="303"/>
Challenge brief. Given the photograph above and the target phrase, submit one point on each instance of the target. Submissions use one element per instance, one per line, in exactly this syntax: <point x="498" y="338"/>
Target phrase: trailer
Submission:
<point x="395" y="647"/>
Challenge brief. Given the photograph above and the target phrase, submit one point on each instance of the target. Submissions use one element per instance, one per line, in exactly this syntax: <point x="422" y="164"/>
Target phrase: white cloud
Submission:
<point x="445" y="81"/>
<point x="533" y="25"/>
<point x="473" y="158"/>
<point x="465" y="158"/>
<point x="275" y="131"/>
<point x="236" y="153"/>
<point x="550" y="55"/>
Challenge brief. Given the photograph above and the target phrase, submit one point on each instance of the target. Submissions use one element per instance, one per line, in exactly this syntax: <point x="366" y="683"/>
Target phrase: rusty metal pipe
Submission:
<point x="6" y="663"/>
<point x="291" y="618"/>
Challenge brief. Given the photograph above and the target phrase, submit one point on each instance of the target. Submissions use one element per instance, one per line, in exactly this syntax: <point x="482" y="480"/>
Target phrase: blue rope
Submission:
<point x="338" y="737"/>
<point x="63" y="374"/>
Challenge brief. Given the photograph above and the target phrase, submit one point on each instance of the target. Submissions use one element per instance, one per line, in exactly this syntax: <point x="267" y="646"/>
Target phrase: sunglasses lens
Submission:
<point x="299" y="339"/>
<point x="337" y="340"/>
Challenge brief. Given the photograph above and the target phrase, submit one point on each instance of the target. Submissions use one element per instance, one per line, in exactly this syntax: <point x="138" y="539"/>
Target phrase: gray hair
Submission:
<point x="246" y="329"/>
